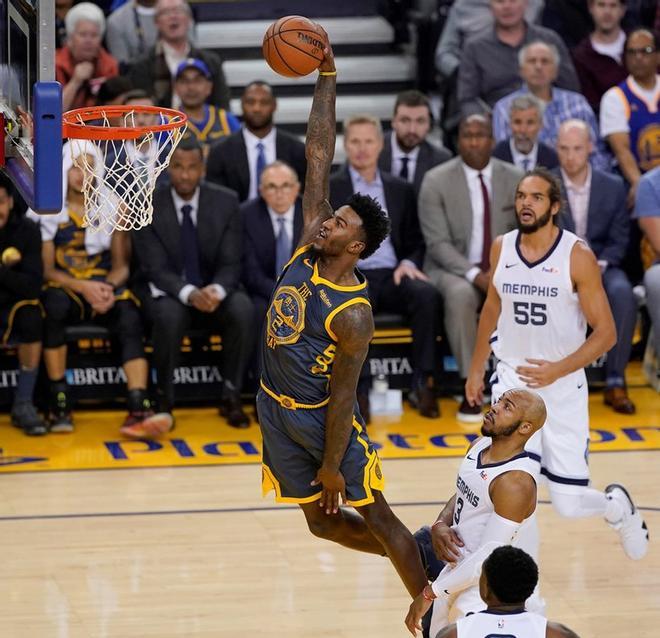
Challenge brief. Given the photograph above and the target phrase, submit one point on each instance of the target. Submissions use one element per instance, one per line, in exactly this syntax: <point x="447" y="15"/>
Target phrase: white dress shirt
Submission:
<point x="397" y="164"/>
<point x="578" y="198"/>
<point x="476" y="246"/>
<point x="251" y="142"/>
<point x="288" y="221"/>
<point x="519" y="158"/>
<point x="184" y="293"/>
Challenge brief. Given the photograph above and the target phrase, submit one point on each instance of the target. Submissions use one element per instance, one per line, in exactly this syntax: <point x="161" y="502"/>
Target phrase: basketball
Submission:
<point x="292" y="47"/>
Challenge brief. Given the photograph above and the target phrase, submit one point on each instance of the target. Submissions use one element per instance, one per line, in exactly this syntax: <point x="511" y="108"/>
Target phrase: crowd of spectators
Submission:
<point x="228" y="213"/>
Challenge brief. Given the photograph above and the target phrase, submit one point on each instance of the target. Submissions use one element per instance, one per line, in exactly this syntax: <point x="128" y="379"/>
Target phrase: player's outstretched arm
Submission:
<point x="557" y="630"/>
<point x="353" y="328"/>
<point x="490" y="313"/>
<point x="320" y="145"/>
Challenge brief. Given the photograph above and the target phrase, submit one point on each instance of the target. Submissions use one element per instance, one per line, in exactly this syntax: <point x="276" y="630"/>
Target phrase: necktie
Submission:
<point x="190" y="248"/>
<point x="282" y="247"/>
<point x="526" y="164"/>
<point x="404" y="167"/>
<point x="485" y="251"/>
<point x="261" y="161"/>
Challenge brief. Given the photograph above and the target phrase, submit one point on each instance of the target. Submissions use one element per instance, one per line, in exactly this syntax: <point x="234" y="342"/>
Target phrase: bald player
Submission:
<point x="494" y="504"/>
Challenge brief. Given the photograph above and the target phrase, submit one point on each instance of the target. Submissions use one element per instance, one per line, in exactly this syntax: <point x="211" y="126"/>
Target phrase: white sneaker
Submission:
<point x="632" y="528"/>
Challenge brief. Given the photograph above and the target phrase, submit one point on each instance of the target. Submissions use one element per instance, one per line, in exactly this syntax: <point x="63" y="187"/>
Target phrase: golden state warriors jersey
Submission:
<point x="298" y="343"/>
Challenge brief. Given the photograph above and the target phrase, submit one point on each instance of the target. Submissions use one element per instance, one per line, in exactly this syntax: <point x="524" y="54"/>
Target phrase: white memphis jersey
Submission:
<point x="488" y="624"/>
<point x="473" y="506"/>
<point x="541" y="317"/>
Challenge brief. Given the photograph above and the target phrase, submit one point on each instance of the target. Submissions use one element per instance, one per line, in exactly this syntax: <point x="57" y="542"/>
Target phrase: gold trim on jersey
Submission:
<point x="269" y="482"/>
<point x="290" y="403"/>
<point x="297" y="253"/>
<point x="373" y="475"/>
<point x="12" y="313"/>
<point x="316" y="279"/>
<point x="338" y="309"/>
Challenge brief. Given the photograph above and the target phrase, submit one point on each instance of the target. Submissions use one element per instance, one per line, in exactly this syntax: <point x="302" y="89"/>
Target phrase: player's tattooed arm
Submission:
<point x="320" y="147"/>
<point x="354" y="328"/>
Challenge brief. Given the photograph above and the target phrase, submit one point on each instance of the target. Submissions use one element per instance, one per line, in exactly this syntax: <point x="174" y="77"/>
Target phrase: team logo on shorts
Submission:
<point x="286" y="317"/>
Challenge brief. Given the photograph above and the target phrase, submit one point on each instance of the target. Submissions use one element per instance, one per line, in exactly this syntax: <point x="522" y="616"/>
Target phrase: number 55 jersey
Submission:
<point x="541" y="317"/>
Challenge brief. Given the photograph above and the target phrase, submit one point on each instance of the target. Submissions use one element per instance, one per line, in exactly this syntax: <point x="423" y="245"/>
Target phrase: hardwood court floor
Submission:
<point x="196" y="551"/>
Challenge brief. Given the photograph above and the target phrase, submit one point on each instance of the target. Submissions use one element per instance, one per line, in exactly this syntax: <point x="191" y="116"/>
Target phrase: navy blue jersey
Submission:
<point x="298" y="343"/>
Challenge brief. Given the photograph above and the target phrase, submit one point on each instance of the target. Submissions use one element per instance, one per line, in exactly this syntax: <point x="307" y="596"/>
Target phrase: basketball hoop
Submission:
<point x="136" y="143"/>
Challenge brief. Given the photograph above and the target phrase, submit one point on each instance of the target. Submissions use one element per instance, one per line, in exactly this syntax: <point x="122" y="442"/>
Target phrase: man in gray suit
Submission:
<point x="406" y="151"/>
<point x="463" y="205"/>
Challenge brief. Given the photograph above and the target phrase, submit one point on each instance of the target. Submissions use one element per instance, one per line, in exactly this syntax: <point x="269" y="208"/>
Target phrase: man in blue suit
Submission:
<point x="596" y="212"/>
<point x="272" y="224"/>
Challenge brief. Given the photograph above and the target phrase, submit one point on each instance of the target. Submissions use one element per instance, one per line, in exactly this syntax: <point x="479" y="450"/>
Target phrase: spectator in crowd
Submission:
<point x="83" y="64"/>
<point x="132" y="30"/>
<point x="86" y="274"/>
<point x="463" y="205"/>
<point x="467" y="18"/>
<point x="62" y="7"/>
<point x="539" y="64"/>
<point x="396" y="281"/>
<point x="272" y="224"/>
<point x="488" y="69"/>
<point x="596" y="212"/>
<point x="113" y="91"/>
<point x="630" y="111"/>
<point x="21" y="276"/>
<point x="238" y="160"/>
<point x="647" y="213"/>
<point x="406" y="151"/>
<point x="191" y="257"/>
<point x="523" y="148"/>
<point x="154" y="72"/>
<point x="193" y="85"/>
<point x="598" y="58"/>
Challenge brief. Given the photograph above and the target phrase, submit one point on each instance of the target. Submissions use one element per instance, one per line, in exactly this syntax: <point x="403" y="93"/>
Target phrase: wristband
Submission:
<point x="327" y="72"/>
<point x="428" y="593"/>
<point x="438" y="523"/>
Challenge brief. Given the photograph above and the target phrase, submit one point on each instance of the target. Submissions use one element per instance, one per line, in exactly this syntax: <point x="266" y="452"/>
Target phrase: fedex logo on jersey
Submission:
<point x="551" y="269"/>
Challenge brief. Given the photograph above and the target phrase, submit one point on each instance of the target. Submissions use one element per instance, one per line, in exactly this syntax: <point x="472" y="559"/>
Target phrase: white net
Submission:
<point x="119" y="194"/>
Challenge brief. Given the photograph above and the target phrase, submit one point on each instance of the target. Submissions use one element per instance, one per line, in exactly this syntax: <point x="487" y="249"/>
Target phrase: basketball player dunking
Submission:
<point x="546" y="287"/>
<point x="318" y="327"/>
<point x="494" y="504"/>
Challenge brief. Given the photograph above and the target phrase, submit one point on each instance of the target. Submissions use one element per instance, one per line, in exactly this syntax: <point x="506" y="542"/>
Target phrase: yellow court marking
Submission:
<point x="203" y="438"/>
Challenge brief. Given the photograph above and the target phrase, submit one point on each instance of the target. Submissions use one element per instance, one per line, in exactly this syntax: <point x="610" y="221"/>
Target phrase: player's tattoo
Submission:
<point x="319" y="151"/>
<point x="354" y="328"/>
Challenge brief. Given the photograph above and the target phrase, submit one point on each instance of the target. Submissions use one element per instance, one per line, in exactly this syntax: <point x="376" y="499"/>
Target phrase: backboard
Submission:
<point x="30" y="154"/>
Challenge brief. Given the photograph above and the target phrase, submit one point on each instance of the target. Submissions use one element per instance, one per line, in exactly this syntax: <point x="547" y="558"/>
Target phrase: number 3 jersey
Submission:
<point x="473" y="506"/>
<point x="541" y="317"/>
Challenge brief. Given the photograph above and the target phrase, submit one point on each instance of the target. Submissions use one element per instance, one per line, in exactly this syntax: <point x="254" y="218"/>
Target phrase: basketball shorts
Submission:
<point x="562" y="444"/>
<point x="293" y="443"/>
<point x="20" y="322"/>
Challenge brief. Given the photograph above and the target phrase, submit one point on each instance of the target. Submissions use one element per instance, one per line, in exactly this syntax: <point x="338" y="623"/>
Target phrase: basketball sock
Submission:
<point x="25" y="387"/>
<point x="588" y="502"/>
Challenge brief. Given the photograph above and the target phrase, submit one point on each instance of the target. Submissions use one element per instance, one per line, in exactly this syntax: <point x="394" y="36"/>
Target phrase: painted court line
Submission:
<point x="222" y="510"/>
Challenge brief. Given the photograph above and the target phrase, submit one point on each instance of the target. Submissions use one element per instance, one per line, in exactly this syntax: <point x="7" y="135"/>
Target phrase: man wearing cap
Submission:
<point x="193" y="85"/>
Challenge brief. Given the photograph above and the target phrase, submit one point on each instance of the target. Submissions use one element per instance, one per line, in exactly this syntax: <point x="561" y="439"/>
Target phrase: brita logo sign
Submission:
<point x="114" y="375"/>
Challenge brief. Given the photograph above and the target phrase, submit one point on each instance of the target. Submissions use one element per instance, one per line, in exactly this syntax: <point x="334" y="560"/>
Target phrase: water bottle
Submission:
<point x="380" y="384"/>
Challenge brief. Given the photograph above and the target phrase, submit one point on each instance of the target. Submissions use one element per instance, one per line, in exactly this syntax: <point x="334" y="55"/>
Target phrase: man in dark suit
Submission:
<point x="406" y="152"/>
<point x="191" y="256"/>
<point x="272" y="224"/>
<point x="396" y="283"/>
<point x="238" y="160"/>
<point x="523" y="148"/>
<point x="596" y="212"/>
